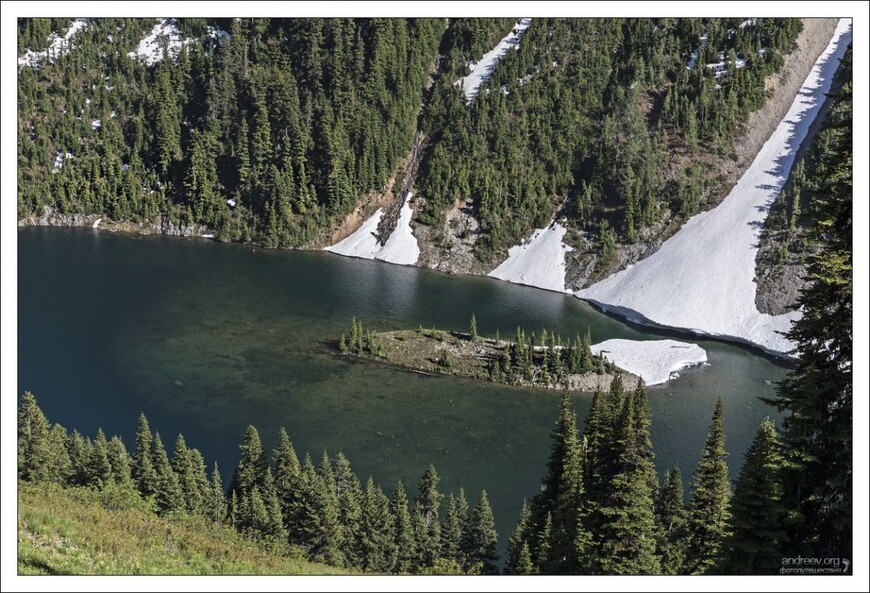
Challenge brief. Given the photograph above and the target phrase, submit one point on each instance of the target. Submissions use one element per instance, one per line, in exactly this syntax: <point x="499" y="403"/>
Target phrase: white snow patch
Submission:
<point x="218" y="34"/>
<point x="653" y="361"/>
<point x="539" y="262"/>
<point x="703" y="277"/>
<point x="57" y="46"/>
<point x="693" y="59"/>
<point x="747" y="23"/>
<point x="721" y="67"/>
<point x="150" y="48"/>
<point x="363" y="242"/>
<point x="208" y="236"/>
<point x="401" y="247"/>
<point x="59" y="160"/>
<point x="231" y="202"/>
<point x="482" y="69"/>
<point x="96" y="223"/>
<point x="96" y="124"/>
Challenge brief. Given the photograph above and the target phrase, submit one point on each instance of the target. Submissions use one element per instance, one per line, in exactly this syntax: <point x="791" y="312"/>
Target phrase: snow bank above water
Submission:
<point x="362" y="243"/>
<point x="482" y="70"/>
<point x="540" y="262"/>
<point x="703" y="278"/>
<point x="56" y="48"/>
<point x="401" y="246"/>
<point x="652" y="361"/>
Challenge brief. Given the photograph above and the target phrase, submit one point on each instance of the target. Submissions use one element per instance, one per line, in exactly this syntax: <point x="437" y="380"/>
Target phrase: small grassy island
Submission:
<point x="547" y="361"/>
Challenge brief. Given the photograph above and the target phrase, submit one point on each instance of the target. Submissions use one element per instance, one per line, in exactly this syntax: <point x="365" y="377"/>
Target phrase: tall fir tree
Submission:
<point x="709" y="515"/>
<point x="757" y="513"/>
<point x="377" y="536"/>
<point x="427" y="504"/>
<point x="167" y="496"/>
<point x="517" y="542"/>
<point x="483" y="538"/>
<point x="406" y="551"/>
<point x="626" y="534"/>
<point x="143" y="472"/>
<point x="671" y="518"/>
<point x="33" y="444"/>
<point x="817" y="431"/>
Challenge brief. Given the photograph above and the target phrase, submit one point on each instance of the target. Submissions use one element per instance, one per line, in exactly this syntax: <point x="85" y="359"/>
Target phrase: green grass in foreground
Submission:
<point x="78" y="531"/>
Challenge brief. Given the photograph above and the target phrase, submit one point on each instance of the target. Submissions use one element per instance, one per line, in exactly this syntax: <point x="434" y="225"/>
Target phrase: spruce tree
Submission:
<point x="626" y="530"/>
<point x="33" y="445"/>
<point x="671" y="519"/>
<point x="757" y="537"/>
<point x="518" y="541"/>
<point x="251" y="469"/>
<point x="218" y="499"/>
<point x="472" y="329"/>
<point x="119" y="461"/>
<point x="60" y="464"/>
<point x="288" y="475"/>
<point x="168" y="496"/>
<point x="350" y="498"/>
<point x="483" y="549"/>
<point x="99" y="469"/>
<point x="427" y="504"/>
<point x="143" y="472"/>
<point x="561" y="496"/>
<point x="818" y="427"/>
<point x="451" y="532"/>
<point x="377" y="536"/>
<point x="709" y="515"/>
<point x="404" y="534"/>
<point x="79" y="453"/>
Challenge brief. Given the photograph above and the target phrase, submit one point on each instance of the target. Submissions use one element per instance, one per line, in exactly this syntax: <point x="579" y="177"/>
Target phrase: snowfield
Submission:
<point x="653" y="361"/>
<point x="57" y="47"/>
<point x="400" y="248"/>
<point x="150" y="49"/>
<point x="703" y="278"/>
<point x="363" y="242"/>
<point x="482" y="69"/>
<point x="539" y="262"/>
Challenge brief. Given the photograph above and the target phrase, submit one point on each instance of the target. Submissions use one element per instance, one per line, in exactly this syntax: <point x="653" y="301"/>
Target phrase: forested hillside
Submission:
<point x="616" y="124"/>
<point x="271" y="130"/>
<point x="261" y="129"/>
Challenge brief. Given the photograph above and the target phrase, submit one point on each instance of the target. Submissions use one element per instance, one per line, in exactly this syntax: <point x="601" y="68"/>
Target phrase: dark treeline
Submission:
<point x="603" y="113"/>
<point x="268" y="134"/>
<point x="282" y="502"/>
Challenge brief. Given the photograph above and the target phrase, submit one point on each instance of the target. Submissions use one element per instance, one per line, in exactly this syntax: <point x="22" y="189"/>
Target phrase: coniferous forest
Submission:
<point x="271" y="131"/>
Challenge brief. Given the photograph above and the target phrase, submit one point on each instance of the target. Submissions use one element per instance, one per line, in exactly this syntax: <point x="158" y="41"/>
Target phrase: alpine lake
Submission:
<point x="207" y="338"/>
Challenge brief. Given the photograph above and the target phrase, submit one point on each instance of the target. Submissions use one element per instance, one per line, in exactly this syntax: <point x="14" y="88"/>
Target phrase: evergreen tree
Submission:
<point x="427" y="505"/>
<point x="34" y="453"/>
<point x="757" y="513"/>
<point x="350" y="500"/>
<point x="483" y="548"/>
<point x="143" y="472"/>
<point x="473" y="328"/>
<point x="59" y="464"/>
<point x="218" y="499"/>
<point x="119" y="460"/>
<point x="817" y="431"/>
<point x="251" y="469"/>
<point x="454" y="530"/>
<point x="626" y="532"/>
<point x="288" y="475"/>
<point x="99" y="470"/>
<point x="671" y="518"/>
<point x="404" y="535"/>
<point x="517" y="542"/>
<point x="167" y="496"/>
<point x="709" y="515"/>
<point x="377" y="537"/>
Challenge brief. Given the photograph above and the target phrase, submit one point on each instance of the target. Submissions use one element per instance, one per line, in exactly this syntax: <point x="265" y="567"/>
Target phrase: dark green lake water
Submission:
<point x="207" y="338"/>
